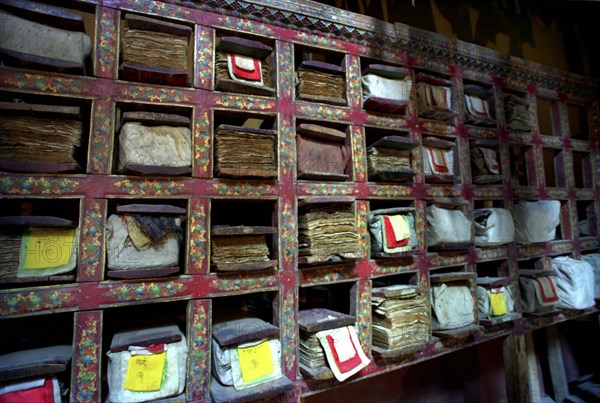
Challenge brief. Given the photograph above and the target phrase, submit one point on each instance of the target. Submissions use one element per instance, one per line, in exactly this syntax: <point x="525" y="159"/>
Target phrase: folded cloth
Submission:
<point x="377" y="229"/>
<point x="46" y="252"/>
<point x="396" y="235"/>
<point x="438" y="161"/>
<point x="538" y="294"/>
<point x="343" y="351"/>
<point x="477" y="107"/>
<point x="575" y="282"/>
<point x="255" y="363"/>
<point x="491" y="160"/>
<point x="452" y="306"/>
<point x="243" y="68"/>
<point x="44" y="390"/>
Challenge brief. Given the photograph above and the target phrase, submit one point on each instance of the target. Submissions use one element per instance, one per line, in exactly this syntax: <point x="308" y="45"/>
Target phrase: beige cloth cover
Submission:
<point x="387" y="88"/>
<point x="452" y="306"/>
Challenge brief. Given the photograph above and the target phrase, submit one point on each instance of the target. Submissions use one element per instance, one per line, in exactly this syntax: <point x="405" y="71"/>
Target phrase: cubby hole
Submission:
<point x="152" y="140"/>
<point x="480" y="204"/>
<point x="516" y="109"/>
<point x="257" y="304"/>
<point x="545" y="111"/>
<point x="338" y="297"/>
<point x="146" y="238"/>
<point x="46" y="233"/>
<point x="485" y="162"/>
<point x="434" y="95"/>
<point x="245" y="145"/>
<point x="321" y="75"/>
<point x="440" y="162"/>
<point x="383" y="222"/>
<point x="257" y="74"/>
<point x="243" y="235"/>
<point x="386" y="88"/>
<point x="461" y="285"/>
<point x="51" y="24"/>
<point x="156" y="50"/>
<point x="48" y="134"/>
<point x="438" y="271"/>
<point x="52" y="337"/>
<point x="480" y="105"/>
<point x="582" y="170"/>
<point x="144" y="325"/>
<point x="390" y="155"/>
<point x="521" y="165"/>
<point x="495" y="268"/>
<point x="324" y="151"/>
<point x="578" y="122"/>
<point x="539" y="264"/>
<point x="554" y="167"/>
<point x="587" y="221"/>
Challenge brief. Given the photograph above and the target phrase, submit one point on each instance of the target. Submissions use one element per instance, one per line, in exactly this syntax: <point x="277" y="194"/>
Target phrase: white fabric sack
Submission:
<point x="174" y="375"/>
<point x="21" y="35"/>
<point x="122" y="254"/>
<point x="388" y="88"/>
<point x="497" y="229"/>
<point x="594" y="260"/>
<point x="575" y="282"/>
<point x="163" y="146"/>
<point x="484" y="304"/>
<point x="452" y="306"/>
<point x="221" y="364"/>
<point x="536" y="221"/>
<point x="446" y="226"/>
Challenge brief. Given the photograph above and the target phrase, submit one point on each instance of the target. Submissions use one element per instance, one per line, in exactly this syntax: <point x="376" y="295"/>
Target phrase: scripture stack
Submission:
<point x="517" y="113"/>
<point x="237" y="248"/>
<point x="321" y="82"/>
<point x="485" y="167"/>
<point x="400" y="316"/>
<point x="243" y="151"/>
<point x="480" y="105"/>
<point x="327" y="230"/>
<point x="434" y="97"/>
<point x="438" y="159"/>
<point x="386" y="88"/>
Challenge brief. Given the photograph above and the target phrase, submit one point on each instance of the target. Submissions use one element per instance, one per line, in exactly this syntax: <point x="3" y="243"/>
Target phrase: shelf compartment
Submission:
<point x="439" y="156"/>
<point x="480" y="105"/>
<point x="383" y="222"/>
<point x="386" y="89"/>
<point x="454" y="291"/>
<point x="496" y="295"/>
<point x="485" y="162"/>
<point x="434" y="97"/>
<point x="546" y="108"/>
<point x="43" y="134"/>
<point x="243" y="235"/>
<point x="144" y="239"/>
<point x="320" y="219"/>
<point x="40" y="241"/>
<point x="244" y="65"/>
<point x="578" y="121"/>
<point x="153" y="140"/>
<point x="522" y="165"/>
<point x="587" y="221"/>
<point x="323" y="152"/>
<point x="47" y="38"/>
<point x="389" y="155"/>
<point x="155" y="51"/>
<point x="582" y="170"/>
<point x="516" y="108"/>
<point x="554" y="167"/>
<point x="321" y="76"/>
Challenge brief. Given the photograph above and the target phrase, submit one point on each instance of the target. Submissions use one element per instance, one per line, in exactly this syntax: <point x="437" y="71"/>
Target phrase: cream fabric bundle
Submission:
<point x="485" y="305"/>
<point x="536" y="221"/>
<point x="446" y="226"/>
<point x="493" y="226"/>
<point x="594" y="260"/>
<point x="387" y="88"/>
<point x="452" y="306"/>
<point x="575" y="283"/>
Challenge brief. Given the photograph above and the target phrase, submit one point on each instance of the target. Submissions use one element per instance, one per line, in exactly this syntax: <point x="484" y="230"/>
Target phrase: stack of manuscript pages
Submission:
<point x="243" y="151"/>
<point x="39" y="138"/>
<point x="328" y="230"/>
<point x="321" y="82"/>
<point x="400" y="317"/>
<point x="238" y="248"/>
<point x="434" y="97"/>
<point x="517" y="113"/>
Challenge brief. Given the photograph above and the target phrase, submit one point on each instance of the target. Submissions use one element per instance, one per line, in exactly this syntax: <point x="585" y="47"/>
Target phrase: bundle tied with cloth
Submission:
<point x="452" y="302"/>
<point x="147" y="363"/>
<point x="447" y="224"/>
<point x="484" y="162"/>
<point x="386" y="88"/>
<point x="493" y="227"/>
<point x="434" y="97"/>
<point x="438" y="159"/>
<point x="400" y="316"/>
<point x="539" y="291"/>
<point x="392" y="230"/>
<point x="575" y="282"/>
<point x="517" y="113"/>
<point x="536" y="221"/>
<point x="495" y="297"/>
<point x="144" y="237"/>
<point x="321" y="82"/>
<point x="480" y="107"/>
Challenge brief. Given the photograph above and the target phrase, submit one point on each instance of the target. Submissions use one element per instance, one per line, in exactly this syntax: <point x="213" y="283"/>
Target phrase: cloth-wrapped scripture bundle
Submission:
<point x="447" y="226"/>
<point x="493" y="226"/>
<point x="477" y="101"/>
<point x="143" y="372"/>
<point x="484" y="161"/>
<point x="326" y="230"/>
<point x="434" y="101"/>
<point x="438" y="161"/>
<point x="400" y="316"/>
<point x="575" y="282"/>
<point x="321" y="82"/>
<point x="245" y="70"/>
<point x="343" y="351"/>
<point x="57" y="47"/>
<point x="494" y="301"/>
<point x="391" y="231"/>
<point x="321" y="152"/>
<point x="594" y="260"/>
<point x="163" y="146"/>
<point x="453" y="306"/>
<point x="142" y="241"/>
<point x="517" y="113"/>
<point x="385" y="93"/>
<point x="536" y="221"/>
<point x="538" y="294"/>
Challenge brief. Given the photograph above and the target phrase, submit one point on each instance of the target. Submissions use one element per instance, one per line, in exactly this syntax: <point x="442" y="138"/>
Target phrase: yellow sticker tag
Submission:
<point x="144" y="372"/>
<point x="498" y="303"/>
<point x="256" y="361"/>
<point x="48" y="248"/>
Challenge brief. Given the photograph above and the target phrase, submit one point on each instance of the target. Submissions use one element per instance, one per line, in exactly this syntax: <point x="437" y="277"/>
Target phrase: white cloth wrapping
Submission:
<point x="477" y="107"/>
<point x="226" y="364"/>
<point x="387" y="88"/>
<point x="163" y="146"/>
<point x="538" y="294"/>
<point x="497" y="229"/>
<point x="446" y="226"/>
<point x="594" y="260"/>
<point x="435" y="158"/>
<point x="536" y="221"/>
<point x="347" y="350"/>
<point x="21" y="35"/>
<point x="452" y="306"/>
<point x="21" y="385"/>
<point x="484" y="304"/>
<point x="575" y="282"/>
<point x="174" y="375"/>
<point x="122" y="254"/>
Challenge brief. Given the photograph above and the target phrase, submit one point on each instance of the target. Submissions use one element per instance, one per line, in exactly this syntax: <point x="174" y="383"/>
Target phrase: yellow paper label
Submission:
<point x="256" y="361"/>
<point x="47" y="249"/>
<point x="498" y="303"/>
<point x="144" y="372"/>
